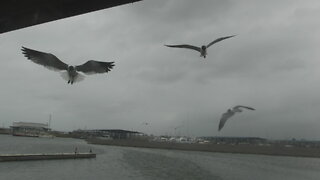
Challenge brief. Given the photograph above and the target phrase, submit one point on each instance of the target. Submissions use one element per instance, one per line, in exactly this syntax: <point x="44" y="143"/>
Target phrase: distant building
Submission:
<point x="107" y="133"/>
<point x="29" y="129"/>
<point x="235" y="140"/>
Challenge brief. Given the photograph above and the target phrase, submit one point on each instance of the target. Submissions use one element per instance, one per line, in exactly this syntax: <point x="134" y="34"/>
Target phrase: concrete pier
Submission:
<point x="29" y="157"/>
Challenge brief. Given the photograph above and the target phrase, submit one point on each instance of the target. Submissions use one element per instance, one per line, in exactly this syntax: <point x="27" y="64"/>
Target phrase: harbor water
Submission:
<point x="138" y="163"/>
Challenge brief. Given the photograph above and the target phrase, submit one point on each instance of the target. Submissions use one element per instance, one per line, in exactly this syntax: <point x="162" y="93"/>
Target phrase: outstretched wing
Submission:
<point x="225" y="116"/>
<point x="47" y="60"/>
<point x="187" y="46"/>
<point x="93" y="67"/>
<point x="219" y="39"/>
<point x="240" y="106"/>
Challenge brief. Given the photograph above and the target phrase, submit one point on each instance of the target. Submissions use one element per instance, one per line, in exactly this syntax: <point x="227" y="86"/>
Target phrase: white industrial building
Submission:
<point x="29" y="129"/>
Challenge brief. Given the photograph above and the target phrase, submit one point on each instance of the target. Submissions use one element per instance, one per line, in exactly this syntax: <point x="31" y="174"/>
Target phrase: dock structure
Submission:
<point x="30" y="157"/>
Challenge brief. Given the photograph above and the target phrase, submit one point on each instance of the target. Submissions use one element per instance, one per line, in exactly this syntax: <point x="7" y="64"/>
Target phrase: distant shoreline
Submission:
<point x="221" y="148"/>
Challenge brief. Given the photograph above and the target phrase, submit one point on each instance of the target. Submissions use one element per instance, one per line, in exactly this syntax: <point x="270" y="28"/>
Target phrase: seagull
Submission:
<point x="225" y="116"/>
<point x="70" y="73"/>
<point x="202" y="49"/>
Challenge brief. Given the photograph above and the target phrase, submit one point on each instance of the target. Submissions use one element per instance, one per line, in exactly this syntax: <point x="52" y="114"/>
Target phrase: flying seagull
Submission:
<point x="202" y="49"/>
<point x="225" y="116"/>
<point x="70" y="73"/>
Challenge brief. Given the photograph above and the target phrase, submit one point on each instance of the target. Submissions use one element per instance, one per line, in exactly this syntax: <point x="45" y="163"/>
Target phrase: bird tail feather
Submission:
<point x="65" y="75"/>
<point x="79" y="77"/>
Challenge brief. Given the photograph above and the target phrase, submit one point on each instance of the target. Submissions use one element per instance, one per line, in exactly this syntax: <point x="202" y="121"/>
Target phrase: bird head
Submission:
<point x="71" y="68"/>
<point x="203" y="47"/>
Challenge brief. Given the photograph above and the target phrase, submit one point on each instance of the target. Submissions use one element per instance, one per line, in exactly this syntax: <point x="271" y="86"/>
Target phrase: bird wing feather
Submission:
<point x="225" y="116"/>
<point x="219" y="39"/>
<point x="47" y="60"/>
<point x="93" y="67"/>
<point x="187" y="46"/>
<point x="240" y="106"/>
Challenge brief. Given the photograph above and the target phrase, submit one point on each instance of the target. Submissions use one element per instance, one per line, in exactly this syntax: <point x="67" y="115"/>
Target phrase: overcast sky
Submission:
<point x="273" y="65"/>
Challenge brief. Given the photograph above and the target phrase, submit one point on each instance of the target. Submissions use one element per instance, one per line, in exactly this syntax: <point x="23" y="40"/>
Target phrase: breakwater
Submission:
<point x="29" y="157"/>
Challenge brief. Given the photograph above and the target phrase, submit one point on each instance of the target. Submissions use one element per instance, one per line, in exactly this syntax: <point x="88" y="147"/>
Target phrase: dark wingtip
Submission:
<point x="110" y="66"/>
<point x="23" y="48"/>
<point x="24" y="51"/>
<point x="251" y="108"/>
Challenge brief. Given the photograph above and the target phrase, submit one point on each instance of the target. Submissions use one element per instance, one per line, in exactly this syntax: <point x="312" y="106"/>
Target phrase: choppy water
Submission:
<point x="136" y="163"/>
